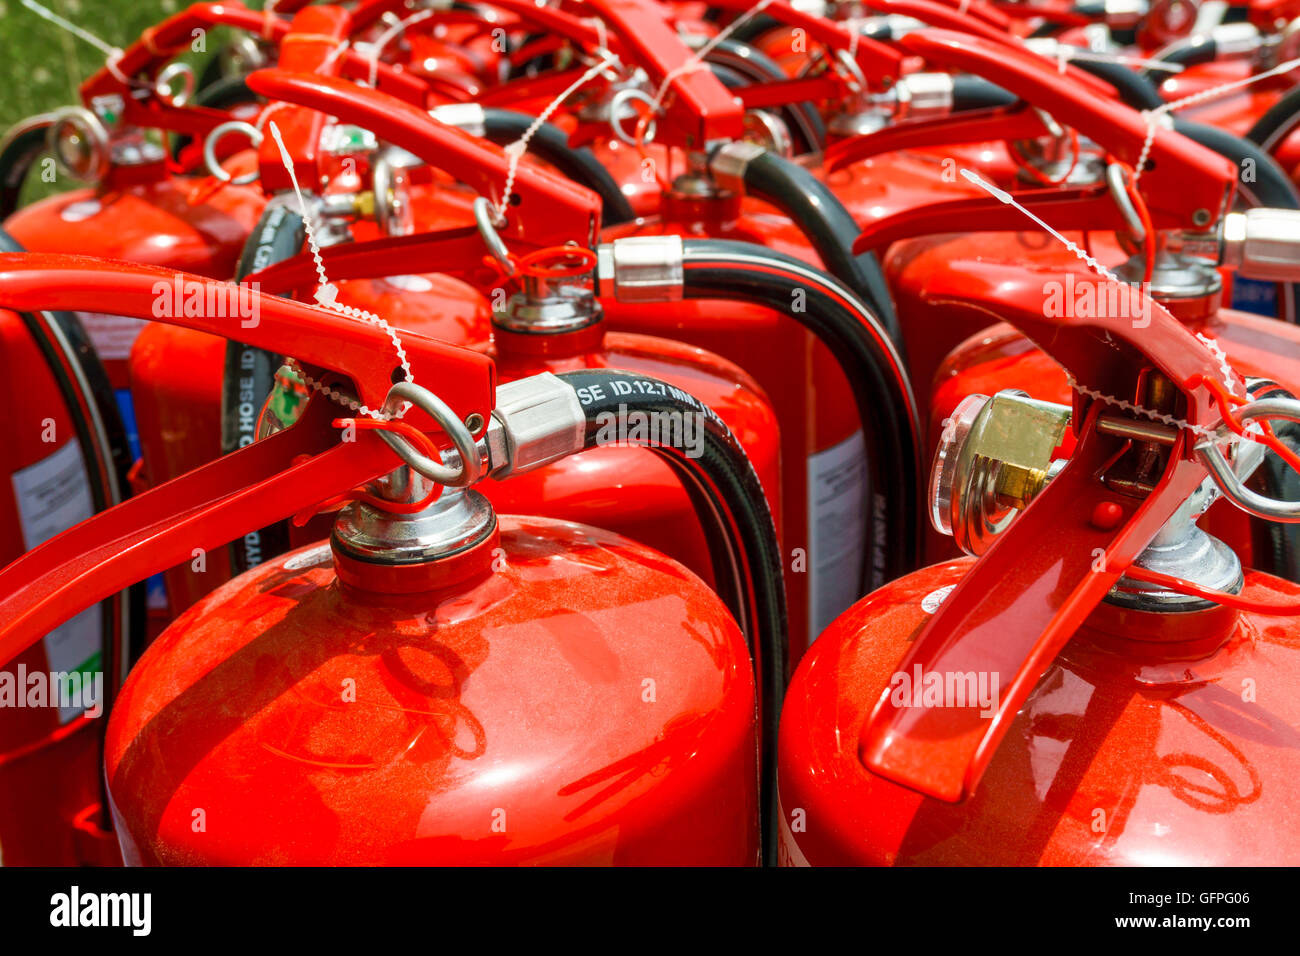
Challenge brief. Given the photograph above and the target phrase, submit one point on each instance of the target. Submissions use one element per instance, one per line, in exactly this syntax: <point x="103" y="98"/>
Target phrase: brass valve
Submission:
<point x="995" y="456"/>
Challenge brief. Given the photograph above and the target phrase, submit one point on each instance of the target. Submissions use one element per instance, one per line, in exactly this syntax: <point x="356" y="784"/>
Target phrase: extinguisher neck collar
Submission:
<point x="446" y="543"/>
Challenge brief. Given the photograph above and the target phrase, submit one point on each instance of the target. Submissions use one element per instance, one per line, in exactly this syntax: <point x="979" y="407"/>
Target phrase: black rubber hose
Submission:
<point x="738" y="525"/>
<point x="552" y="144"/>
<point x="101" y="435"/>
<point x="1267" y="185"/>
<point x="1278" y="121"/>
<point x="756" y="66"/>
<point x="249" y="374"/>
<point x="16" y="158"/>
<point x="821" y="217"/>
<point x="1278" y="480"/>
<point x="721" y="269"/>
<point x="970" y="92"/>
<point x="755" y="27"/>
<point x="1187" y="51"/>
<point x="1270" y="185"/>
<point x="1282" y="483"/>
<point x="1134" y="90"/>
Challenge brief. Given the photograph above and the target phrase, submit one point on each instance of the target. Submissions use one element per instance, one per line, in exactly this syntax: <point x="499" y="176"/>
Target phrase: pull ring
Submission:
<point x="210" y="150"/>
<point x="1225" y="476"/>
<point x="471" y="465"/>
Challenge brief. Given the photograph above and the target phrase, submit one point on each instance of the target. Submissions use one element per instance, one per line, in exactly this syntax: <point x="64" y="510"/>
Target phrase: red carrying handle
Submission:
<point x="550" y="210"/>
<point x="698" y="108"/>
<point x="248" y="489"/>
<point x="164" y="40"/>
<point x="1191" y="188"/>
<point x="1022" y="601"/>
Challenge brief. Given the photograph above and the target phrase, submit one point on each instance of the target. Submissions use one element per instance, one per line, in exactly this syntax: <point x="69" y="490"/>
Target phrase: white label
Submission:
<point x="112" y="335"/>
<point x="930" y="603"/>
<point x="52" y="496"/>
<point x="80" y="211"/>
<point x="836" y="530"/>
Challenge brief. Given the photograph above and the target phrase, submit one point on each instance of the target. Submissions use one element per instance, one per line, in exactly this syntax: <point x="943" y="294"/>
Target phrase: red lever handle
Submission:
<point x="993" y="124"/>
<point x="549" y="208"/>
<point x="457" y="250"/>
<point x="1190" y="186"/>
<point x="316" y="336"/>
<point x="205" y="508"/>
<point x="1027" y="595"/>
<point x="699" y="107"/>
<point x="248" y="489"/>
<point x="164" y="40"/>
<point x="1063" y="209"/>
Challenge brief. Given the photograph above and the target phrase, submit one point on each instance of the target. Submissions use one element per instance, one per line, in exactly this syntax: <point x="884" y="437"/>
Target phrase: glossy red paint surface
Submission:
<point x="814" y="404"/>
<point x="48" y="768"/>
<point x="175" y="378"/>
<point x="631" y="491"/>
<point x="1144" y="743"/>
<point x="500" y="720"/>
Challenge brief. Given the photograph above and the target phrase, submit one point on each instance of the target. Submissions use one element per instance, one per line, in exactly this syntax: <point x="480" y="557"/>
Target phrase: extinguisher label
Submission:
<point x="53" y="495"/>
<point x="837" y="520"/>
<point x="112" y="335"/>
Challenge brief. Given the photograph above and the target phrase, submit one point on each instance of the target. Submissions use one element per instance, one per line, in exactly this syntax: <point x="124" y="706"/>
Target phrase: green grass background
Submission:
<point x="41" y="66"/>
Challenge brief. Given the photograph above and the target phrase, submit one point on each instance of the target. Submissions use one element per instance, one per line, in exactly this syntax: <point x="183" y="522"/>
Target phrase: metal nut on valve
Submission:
<point x="1263" y="243"/>
<point x="994" y="457"/>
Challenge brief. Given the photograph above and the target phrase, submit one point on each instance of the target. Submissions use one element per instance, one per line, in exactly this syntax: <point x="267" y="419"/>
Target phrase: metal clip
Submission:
<point x="210" y="150"/>
<point x="1119" y="192"/>
<point x="483" y="216"/>
<point x="471" y="463"/>
<point x="615" y="107"/>
<point x="1226" y="476"/>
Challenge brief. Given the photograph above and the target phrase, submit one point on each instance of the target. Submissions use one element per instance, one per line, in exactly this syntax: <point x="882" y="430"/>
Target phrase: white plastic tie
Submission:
<point x="1005" y="197"/>
<point x="387" y="37"/>
<point x="112" y="54"/>
<point x="327" y="295"/>
<point x="515" y="151"/>
<point x="1153" y="115"/>
<point x="696" y="60"/>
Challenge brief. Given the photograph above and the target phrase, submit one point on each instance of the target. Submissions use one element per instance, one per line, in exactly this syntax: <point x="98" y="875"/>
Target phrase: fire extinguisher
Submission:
<point x="66" y="458"/>
<point x="825" y="484"/>
<point x="1189" y="286"/>
<point x="432" y="304"/>
<point x="842" y="478"/>
<point x="623" y="783"/>
<point x="1190" y="191"/>
<point x="1084" y="691"/>
<point x="552" y="321"/>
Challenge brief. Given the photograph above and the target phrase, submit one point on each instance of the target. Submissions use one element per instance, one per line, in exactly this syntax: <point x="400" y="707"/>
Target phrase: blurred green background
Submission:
<point x="41" y="66"/>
